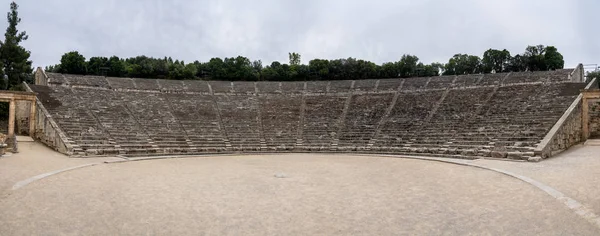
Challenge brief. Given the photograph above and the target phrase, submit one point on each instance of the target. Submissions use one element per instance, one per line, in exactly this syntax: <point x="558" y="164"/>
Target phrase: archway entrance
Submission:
<point x="13" y="98"/>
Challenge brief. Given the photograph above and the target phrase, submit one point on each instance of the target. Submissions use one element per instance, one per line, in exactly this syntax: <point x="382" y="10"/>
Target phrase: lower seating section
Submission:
<point x="451" y="118"/>
<point x="240" y="120"/>
<point x="199" y="118"/>
<point x="280" y="120"/>
<point x="492" y="115"/>
<point x="153" y="112"/>
<point x="517" y="117"/>
<point x="406" y="119"/>
<point x="362" y="118"/>
<point x="321" y="117"/>
<point x="113" y="115"/>
<point x="71" y="113"/>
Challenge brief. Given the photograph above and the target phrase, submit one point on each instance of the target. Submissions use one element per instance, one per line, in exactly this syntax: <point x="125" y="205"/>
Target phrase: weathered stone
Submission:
<point x="499" y="154"/>
<point x="223" y="116"/>
<point x="515" y="155"/>
<point x="484" y="152"/>
<point x="535" y="159"/>
<point x="469" y="152"/>
<point x="528" y="154"/>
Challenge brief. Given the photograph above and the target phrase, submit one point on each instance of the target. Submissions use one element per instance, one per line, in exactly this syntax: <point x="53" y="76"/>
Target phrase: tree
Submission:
<point x="517" y="63"/>
<point x="534" y="58"/>
<point x="98" y="66"/>
<point x="590" y="75"/>
<point x="117" y="67"/>
<point x="14" y="58"/>
<point x="319" y="69"/>
<point x="294" y="58"/>
<point x="553" y="59"/>
<point x="72" y="63"/>
<point x="461" y="64"/>
<point x="407" y="66"/>
<point x="495" y="60"/>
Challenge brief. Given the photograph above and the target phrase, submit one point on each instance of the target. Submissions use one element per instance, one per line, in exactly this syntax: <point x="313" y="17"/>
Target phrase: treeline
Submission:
<point x="535" y="58"/>
<point x="15" y="66"/>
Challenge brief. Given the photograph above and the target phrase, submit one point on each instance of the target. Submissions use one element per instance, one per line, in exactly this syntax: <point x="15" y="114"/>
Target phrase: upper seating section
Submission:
<point x="299" y="87"/>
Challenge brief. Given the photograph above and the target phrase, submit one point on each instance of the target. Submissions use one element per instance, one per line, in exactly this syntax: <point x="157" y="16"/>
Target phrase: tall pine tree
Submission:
<point x="13" y="57"/>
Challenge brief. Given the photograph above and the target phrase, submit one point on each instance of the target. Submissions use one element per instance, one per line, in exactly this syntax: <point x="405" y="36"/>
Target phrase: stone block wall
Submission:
<point x="578" y="74"/>
<point x="566" y="132"/>
<point x="22" y="117"/>
<point x="40" y="77"/>
<point x="47" y="131"/>
<point x="594" y="125"/>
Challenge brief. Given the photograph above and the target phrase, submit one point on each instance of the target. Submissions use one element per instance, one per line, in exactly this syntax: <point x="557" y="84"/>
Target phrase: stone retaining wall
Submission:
<point x="594" y="119"/>
<point x="48" y="132"/>
<point x="566" y="133"/>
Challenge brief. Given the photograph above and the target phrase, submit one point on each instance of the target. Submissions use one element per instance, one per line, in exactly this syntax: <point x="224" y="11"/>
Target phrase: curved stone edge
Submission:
<point x="575" y="206"/>
<point x="25" y="182"/>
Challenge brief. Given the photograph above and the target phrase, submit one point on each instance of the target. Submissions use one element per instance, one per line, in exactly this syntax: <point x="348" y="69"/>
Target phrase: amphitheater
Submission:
<point x="439" y="155"/>
<point x="504" y="115"/>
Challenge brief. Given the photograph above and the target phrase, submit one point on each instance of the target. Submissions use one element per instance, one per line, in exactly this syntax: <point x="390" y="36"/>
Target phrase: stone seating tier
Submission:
<point x="467" y="116"/>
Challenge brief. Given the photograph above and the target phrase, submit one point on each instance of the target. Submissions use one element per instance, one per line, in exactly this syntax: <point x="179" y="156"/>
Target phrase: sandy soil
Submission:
<point x="295" y="194"/>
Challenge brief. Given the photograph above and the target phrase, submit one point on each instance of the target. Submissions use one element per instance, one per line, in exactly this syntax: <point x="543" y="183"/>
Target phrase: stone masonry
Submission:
<point x="594" y="114"/>
<point x="467" y="116"/>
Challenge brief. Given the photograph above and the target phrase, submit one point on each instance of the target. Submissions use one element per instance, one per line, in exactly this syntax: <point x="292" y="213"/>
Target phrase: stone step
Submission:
<point x="592" y="142"/>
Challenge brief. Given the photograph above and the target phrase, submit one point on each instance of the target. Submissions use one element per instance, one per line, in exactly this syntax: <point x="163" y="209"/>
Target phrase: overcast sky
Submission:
<point x="375" y="30"/>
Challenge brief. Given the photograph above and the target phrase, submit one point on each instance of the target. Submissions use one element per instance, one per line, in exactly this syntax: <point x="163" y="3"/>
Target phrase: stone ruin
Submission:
<point x="504" y="115"/>
<point x="3" y="144"/>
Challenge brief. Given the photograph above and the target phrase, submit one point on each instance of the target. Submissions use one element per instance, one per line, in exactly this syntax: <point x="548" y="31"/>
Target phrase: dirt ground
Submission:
<point x="292" y="194"/>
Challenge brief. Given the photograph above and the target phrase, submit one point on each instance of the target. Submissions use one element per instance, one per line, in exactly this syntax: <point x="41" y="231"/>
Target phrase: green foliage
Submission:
<point x="534" y="58"/>
<point x="553" y="59"/>
<point x="294" y="58"/>
<point x="73" y="63"/>
<point x="495" y="60"/>
<point x="592" y="75"/>
<point x="14" y="59"/>
<point x="242" y="68"/>
<point x="461" y="64"/>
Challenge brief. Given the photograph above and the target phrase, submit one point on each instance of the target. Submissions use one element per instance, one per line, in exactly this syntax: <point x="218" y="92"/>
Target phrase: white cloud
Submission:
<point x="378" y="31"/>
